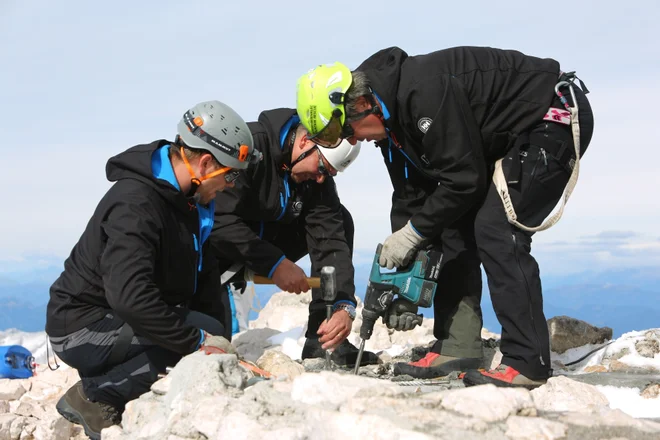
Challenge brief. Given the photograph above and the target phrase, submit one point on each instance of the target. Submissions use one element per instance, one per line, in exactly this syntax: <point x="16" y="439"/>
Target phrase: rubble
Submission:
<point x="213" y="397"/>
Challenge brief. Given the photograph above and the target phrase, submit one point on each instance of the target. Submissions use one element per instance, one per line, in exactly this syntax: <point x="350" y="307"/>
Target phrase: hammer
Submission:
<point x="329" y="293"/>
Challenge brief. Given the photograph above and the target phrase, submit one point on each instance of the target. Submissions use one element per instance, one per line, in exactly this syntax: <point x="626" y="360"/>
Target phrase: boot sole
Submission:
<point x="445" y="369"/>
<point x="469" y="382"/>
<point x="74" y="416"/>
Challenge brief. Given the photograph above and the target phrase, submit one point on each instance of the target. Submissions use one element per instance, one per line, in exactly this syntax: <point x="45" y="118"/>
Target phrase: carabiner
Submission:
<point x="563" y="100"/>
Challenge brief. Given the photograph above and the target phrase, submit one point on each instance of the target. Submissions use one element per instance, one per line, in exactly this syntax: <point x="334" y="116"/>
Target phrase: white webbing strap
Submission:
<point x="503" y="189"/>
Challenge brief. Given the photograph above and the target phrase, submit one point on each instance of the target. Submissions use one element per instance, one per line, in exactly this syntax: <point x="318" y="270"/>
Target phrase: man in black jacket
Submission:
<point x="445" y="121"/>
<point x="129" y="300"/>
<point x="286" y="207"/>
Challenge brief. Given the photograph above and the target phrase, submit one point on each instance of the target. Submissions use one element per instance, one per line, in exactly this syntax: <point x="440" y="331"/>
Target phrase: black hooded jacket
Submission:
<point x="138" y="258"/>
<point x="265" y="194"/>
<point x="453" y="113"/>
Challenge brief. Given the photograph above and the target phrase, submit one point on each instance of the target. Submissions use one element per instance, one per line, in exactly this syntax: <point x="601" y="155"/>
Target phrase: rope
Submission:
<point x="503" y="189"/>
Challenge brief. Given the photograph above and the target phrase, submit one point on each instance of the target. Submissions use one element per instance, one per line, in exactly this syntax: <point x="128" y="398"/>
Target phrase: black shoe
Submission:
<point x="345" y="355"/>
<point x="93" y="416"/>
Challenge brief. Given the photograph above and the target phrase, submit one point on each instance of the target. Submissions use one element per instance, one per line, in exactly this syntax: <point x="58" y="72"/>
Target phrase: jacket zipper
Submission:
<point x="197" y="261"/>
<point x="529" y="297"/>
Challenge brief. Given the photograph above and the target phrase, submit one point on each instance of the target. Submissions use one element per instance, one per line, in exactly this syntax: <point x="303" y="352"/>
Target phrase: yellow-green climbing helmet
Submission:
<point x="320" y="102"/>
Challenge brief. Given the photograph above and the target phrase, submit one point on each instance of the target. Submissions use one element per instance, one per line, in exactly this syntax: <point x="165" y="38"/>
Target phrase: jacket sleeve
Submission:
<point x="128" y="267"/>
<point x="327" y="240"/>
<point x="453" y="149"/>
<point x="233" y="239"/>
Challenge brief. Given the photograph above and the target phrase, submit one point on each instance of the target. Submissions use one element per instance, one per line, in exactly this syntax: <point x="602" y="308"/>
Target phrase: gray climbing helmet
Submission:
<point x="215" y="127"/>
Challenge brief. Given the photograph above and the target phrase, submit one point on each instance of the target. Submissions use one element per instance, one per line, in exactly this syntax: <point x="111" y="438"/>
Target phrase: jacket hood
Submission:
<point x="273" y="121"/>
<point x="384" y="71"/>
<point x="136" y="163"/>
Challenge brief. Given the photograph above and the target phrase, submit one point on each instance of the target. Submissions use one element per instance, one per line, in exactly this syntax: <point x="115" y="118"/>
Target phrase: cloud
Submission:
<point x="611" y="235"/>
<point x="605" y="250"/>
<point x="650" y="245"/>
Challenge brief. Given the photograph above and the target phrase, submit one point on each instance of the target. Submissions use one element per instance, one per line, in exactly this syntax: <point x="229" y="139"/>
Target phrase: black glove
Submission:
<point x="402" y="315"/>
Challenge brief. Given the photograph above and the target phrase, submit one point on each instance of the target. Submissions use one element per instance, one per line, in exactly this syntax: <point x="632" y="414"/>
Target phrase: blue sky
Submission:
<point x="82" y="81"/>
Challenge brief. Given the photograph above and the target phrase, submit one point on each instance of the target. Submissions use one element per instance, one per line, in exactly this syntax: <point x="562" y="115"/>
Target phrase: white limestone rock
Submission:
<point x="12" y="389"/>
<point x="284" y="311"/>
<point x="488" y="402"/>
<point x="604" y="416"/>
<point x="333" y="389"/>
<point x="252" y="344"/>
<point x="564" y="394"/>
<point x="280" y="365"/>
<point x="534" y="428"/>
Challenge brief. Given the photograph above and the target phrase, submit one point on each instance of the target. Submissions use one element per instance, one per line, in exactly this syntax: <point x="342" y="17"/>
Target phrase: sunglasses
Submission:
<point x="230" y="174"/>
<point x="332" y="134"/>
<point x="322" y="169"/>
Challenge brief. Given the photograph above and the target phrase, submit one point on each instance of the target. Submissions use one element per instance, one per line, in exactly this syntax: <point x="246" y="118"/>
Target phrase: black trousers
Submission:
<point x="89" y="350"/>
<point x="537" y="169"/>
<point x="291" y="238"/>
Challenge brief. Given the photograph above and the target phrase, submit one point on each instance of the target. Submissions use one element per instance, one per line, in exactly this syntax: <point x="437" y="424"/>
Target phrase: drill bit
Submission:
<point x="359" y="357"/>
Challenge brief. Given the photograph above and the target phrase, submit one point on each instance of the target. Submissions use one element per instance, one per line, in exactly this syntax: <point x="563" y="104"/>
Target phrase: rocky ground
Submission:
<point x="212" y="397"/>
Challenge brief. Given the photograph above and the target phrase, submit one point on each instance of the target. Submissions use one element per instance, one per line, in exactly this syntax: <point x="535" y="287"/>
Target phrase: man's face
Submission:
<point x="313" y="167"/>
<point x="209" y="187"/>
<point x="369" y="128"/>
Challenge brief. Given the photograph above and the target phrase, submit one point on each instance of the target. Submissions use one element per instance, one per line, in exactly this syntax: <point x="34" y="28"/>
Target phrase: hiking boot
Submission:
<point x="93" y="416"/>
<point x="502" y="376"/>
<point x="344" y="355"/>
<point x="435" y="365"/>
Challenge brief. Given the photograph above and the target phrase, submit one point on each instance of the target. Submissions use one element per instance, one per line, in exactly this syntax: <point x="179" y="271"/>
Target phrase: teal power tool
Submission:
<point x="414" y="284"/>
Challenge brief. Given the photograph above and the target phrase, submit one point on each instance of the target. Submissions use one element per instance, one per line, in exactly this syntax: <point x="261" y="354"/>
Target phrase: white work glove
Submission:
<point x="400" y="247"/>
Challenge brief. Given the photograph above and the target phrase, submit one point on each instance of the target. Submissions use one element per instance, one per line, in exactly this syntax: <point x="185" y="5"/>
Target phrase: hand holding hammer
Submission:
<point x="288" y="276"/>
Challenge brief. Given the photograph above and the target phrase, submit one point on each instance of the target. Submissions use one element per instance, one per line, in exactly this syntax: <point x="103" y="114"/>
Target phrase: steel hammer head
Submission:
<point x="328" y="283"/>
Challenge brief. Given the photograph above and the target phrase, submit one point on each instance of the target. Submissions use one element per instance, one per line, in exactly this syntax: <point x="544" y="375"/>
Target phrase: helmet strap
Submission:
<point x="194" y="181"/>
<point x="303" y="155"/>
<point x="289" y="143"/>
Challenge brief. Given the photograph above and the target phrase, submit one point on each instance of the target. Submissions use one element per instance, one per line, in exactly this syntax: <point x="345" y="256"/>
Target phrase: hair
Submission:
<point x="360" y="86"/>
<point x="190" y="153"/>
<point x="301" y="131"/>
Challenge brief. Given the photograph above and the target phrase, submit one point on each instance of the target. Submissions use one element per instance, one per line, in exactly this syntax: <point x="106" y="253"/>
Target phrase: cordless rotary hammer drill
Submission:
<point x="414" y="286"/>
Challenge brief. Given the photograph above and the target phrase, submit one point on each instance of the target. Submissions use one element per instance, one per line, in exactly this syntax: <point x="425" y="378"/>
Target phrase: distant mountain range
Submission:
<point x="625" y="300"/>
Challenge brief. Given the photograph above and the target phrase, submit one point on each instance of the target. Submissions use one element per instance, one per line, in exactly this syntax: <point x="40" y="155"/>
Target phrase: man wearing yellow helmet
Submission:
<point x="284" y="208"/>
<point x="446" y="122"/>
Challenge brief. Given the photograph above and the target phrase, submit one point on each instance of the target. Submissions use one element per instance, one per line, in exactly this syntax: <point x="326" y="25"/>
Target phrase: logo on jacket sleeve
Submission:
<point x="424" y="123"/>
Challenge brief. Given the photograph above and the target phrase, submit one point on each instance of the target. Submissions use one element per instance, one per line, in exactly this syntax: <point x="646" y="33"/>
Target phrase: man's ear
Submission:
<point x="206" y="163"/>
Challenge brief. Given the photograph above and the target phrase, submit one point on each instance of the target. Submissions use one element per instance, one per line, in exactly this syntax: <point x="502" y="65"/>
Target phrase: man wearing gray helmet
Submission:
<point x="129" y="299"/>
<point x="287" y="207"/>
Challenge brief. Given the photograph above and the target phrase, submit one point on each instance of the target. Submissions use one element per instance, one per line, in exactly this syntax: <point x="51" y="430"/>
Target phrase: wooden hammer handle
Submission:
<point x="314" y="282"/>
